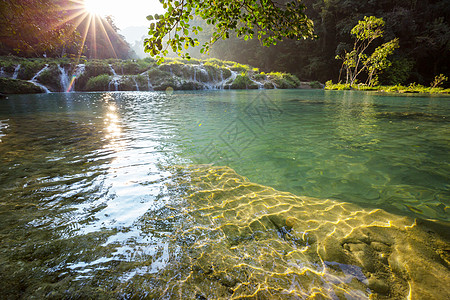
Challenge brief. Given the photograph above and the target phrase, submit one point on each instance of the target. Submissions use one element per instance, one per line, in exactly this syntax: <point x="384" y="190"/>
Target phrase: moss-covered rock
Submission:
<point x="17" y="86"/>
<point x="29" y="68"/>
<point x="243" y="81"/>
<point x="93" y="68"/>
<point x="284" y="80"/>
<point x="50" y="77"/>
<point x="134" y="75"/>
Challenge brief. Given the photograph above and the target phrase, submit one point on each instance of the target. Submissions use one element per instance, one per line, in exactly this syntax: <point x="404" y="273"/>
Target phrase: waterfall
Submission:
<point x="64" y="79"/>
<point x="79" y="69"/>
<point x="34" y="81"/>
<point x="149" y="84"/>
<point x="259" y="84"/>
<point x="231" y="78"/>
<point x="135" y="82"/>
<point x="115" y="80"/>
<point x="16" y="71"/>
<point x="2" y="72"/>
<point x="112" y="70"/>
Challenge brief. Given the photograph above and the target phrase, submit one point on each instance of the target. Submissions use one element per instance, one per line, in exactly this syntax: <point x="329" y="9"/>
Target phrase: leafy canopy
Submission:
<point x="269" y="20"/>
<point x="357" y="61"/>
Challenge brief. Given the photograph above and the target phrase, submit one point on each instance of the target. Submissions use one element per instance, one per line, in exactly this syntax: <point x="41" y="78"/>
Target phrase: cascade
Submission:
<point x="16" y="71"/>
<point x="259" y="84"/>
<point x="115" y="80"/>
<point x="2" y="72"/>
<point x="135" y="82"/>
<point x="33" y="80"/>
<point x="149" y="84"/>
<point x="231" y="78"/>
<point x="79" y="69"/>
<point x="64" y="79"/>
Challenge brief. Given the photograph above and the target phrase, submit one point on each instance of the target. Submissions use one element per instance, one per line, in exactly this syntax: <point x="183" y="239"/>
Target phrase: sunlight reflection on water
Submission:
<point x="89" y="193"/>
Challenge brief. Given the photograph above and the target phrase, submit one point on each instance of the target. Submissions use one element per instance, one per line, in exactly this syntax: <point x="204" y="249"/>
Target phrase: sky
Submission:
<point x="127" y="13"/>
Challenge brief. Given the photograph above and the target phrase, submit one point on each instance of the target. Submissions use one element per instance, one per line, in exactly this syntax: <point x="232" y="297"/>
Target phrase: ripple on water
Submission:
<point x="237" y="239"/>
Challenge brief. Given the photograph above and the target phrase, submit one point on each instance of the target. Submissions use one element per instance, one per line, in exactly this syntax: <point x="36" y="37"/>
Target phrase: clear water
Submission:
<point x="84" y="176"/>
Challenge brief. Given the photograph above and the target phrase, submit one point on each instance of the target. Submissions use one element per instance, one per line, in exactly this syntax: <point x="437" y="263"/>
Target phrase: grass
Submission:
<point x="412" y="88"/>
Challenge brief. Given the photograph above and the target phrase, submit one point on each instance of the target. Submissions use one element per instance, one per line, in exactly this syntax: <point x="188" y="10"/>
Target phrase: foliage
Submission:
<point x="268" y="20"/>
<point x="243" y="81"/>
<point x="356" y="61"/>
<point x="17" y="86"/>
<point x="378" y="61"/>
<point x="98" y="83"/>
<point x="50" y="77"/>
<point x="237" y="67"/>
<point x="284" y="80"/>
<point x="51" y="28"/>
<point x="412" y="88"/>
<point x="36" y="27"/>
<point x="338" y="86"/>
<point x="439" y="80"/>
<point x="315" y="85"/>
<point x="29" y="68"/>
<point x="422" y="28"/>
<point x="398" y="72"/>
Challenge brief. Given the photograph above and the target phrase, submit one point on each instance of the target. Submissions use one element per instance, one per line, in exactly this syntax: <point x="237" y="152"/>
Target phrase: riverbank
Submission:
<point x="410" y="89"/>
<point x="21" y="75"/>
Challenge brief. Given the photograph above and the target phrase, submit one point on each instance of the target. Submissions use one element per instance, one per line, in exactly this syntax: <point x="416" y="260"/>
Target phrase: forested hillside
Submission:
<point x="58" y="28"/>
<point x="421" y="26"/>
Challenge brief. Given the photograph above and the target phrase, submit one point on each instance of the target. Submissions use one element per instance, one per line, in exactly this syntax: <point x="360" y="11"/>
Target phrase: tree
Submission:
<point x="357" y="61"/>
<point x="35" y="27"/>
<point x="269" y="20"/>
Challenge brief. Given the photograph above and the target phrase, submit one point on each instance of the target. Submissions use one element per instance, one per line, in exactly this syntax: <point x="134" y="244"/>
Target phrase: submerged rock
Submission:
<point x="238" y="239"/>
<point x="395" y="115"/>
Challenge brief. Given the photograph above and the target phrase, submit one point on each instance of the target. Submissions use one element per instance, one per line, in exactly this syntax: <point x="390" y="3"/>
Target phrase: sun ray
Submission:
<point x="89" y="17"/>
<point x="102" y="27"/>
<point x="94" y="34"/>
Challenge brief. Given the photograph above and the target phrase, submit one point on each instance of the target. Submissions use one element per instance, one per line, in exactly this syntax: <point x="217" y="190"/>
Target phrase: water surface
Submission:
<point x="96" y="199"/>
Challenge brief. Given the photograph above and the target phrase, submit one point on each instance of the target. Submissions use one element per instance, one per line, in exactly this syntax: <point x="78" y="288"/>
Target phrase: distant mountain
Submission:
<point x="134" y="33"/>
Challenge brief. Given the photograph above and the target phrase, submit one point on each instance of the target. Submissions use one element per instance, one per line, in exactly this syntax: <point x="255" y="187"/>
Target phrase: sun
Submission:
<point x="96" y="7"/>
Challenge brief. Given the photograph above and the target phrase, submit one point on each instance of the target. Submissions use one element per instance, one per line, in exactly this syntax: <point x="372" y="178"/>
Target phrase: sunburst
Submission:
<point x="85" y="14"/>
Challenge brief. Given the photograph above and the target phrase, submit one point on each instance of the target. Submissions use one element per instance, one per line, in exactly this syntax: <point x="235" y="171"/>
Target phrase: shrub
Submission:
<point x="315" y="85"/>
<point x="156" y="74"/>
<point x="98" y="83"/>
<point x="283" y="80"/>
<point x="260" y="76"/>
<point x="29" y="68"/>
<point x="239" y="68"/>
<point x="130" y="67"/>
<point x="243" y="82"/>
<point x="329" y="85"/>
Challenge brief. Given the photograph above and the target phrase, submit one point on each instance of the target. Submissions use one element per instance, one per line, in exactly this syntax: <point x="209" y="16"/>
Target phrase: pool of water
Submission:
<point x="223" y="194"/>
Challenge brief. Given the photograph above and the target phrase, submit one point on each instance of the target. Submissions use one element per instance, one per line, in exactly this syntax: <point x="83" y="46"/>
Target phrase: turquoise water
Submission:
<point x="83" y="174"/>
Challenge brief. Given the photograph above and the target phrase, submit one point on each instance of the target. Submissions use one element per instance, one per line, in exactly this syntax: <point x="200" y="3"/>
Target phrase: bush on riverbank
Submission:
<point x="412" y="88"/>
